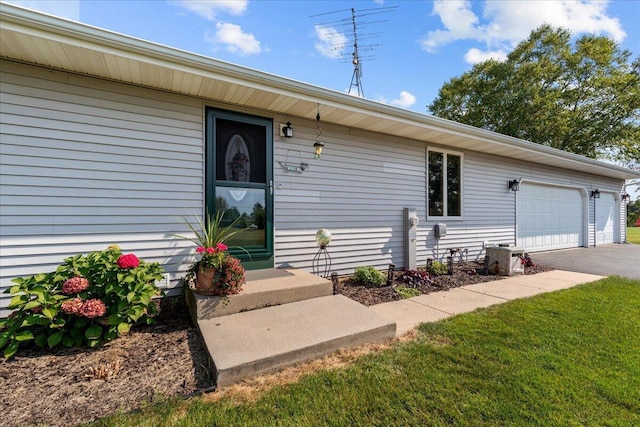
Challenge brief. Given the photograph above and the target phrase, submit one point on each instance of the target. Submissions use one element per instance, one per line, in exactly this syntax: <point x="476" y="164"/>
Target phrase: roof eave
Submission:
<point x="70" y="33"/>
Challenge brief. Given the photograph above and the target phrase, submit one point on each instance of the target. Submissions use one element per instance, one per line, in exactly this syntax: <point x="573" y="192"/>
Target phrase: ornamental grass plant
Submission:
<point x="217" y="272"/>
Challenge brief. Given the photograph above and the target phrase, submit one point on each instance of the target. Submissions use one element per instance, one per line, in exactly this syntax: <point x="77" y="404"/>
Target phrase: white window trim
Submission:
<point x="444" y="192"/>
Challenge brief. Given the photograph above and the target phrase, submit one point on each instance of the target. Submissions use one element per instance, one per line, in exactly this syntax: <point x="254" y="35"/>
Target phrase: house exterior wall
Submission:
<point x="362" y="183"/>
<point x="86" y="163"/>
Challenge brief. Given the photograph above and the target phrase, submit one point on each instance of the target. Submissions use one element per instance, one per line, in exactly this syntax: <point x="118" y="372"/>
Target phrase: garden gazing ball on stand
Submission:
<point x="323" y="237"/>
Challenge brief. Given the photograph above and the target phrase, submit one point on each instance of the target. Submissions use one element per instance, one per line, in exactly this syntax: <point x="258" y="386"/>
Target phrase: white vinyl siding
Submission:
<point x="357" y="190"/>
<point x="363" y="180"/>
<point x="86" y="164"/>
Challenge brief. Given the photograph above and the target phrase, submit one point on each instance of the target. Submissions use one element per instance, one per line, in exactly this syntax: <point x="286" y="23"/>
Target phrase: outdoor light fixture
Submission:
<point x="318" y="146"/>
<point x="626" y="197"/>
<point x="514" y="185"/>
<point x="287" y="130"/>
<point x="595" y="194"/>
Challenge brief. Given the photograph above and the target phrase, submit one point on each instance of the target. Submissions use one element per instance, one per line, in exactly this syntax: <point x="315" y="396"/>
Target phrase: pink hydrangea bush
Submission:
<point x="128" y="261"/>
<point x="92" y="308"/>
<point x="71" y="306"/>
<point x="89" y="299"/>
<point x="74" y="285"/>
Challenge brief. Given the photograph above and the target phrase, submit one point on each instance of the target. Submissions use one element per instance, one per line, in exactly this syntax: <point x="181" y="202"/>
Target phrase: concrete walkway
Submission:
<point x="408" y="313"/>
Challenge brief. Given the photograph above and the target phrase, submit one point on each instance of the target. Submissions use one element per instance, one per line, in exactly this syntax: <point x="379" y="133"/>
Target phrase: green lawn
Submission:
<point x="558" y="359"/>
<point x="633" y="235"/>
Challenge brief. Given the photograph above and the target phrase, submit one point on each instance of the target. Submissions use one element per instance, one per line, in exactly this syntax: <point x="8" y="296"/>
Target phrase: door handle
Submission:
<point x="271" y="188"/>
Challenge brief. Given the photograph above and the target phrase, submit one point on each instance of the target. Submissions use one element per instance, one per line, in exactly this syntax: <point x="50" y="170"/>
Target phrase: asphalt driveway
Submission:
<point x="606" y="260"/>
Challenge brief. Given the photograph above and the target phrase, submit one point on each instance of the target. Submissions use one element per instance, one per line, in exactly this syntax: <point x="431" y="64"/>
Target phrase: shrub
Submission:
<point x="437" y="268"/>
<point x="406" y="292"/>
<point x="369" y="276"/>
<point x="89" y="299"/>
<point x="415" y="278"/>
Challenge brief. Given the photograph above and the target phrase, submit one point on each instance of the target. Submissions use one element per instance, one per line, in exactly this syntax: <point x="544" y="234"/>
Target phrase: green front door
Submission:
<point x="239" y="181"/>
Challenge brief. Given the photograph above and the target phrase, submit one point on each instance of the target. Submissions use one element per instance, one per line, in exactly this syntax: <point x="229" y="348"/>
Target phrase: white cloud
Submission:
<point x="69" y="9"/>
<point x="331" y="43"/>
<point x="208" y="9"/>
<point x="504" y="23"/>
<point x="459" y="21"/>
<point x="406" y="100"/>
<point x="474" y="55"/>
<point x="234" y="39"/>
<point x="514" y="22"/>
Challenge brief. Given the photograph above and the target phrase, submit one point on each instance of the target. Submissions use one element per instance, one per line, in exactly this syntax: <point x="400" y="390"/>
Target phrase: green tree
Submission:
<point x="582" y="97"/>
<point x="259" y="216"/>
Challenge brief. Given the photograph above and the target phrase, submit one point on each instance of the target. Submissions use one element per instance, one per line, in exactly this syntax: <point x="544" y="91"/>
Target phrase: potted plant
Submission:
<point x="216" y="272"/>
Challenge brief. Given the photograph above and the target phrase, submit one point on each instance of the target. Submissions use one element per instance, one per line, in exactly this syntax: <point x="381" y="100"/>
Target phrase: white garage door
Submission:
<point x="549" y="217"/>
<point x="605" y="218"/>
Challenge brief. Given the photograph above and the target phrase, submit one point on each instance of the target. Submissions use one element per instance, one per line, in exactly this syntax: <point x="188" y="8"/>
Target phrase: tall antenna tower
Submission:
<point x="348" y="32"/>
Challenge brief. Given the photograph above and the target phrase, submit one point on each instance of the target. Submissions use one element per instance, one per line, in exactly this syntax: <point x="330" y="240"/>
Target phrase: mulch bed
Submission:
<point x="72" y="386"/>
<point x="464" y="273"/>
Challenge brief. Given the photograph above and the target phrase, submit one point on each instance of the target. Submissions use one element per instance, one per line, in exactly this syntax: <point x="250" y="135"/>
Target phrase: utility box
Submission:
<point x="410" y="235"/>
<point x="509" y="260"/>
<point x="440" y="230"/>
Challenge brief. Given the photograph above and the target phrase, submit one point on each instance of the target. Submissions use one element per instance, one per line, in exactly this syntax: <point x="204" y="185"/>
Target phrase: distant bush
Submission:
<point x="89" y="299"/>
<point x="437" y="268"/>
<point x="369" y="276"/>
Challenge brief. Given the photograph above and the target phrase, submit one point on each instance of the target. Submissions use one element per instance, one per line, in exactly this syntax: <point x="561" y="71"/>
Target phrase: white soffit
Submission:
<point x="48" y="41"/>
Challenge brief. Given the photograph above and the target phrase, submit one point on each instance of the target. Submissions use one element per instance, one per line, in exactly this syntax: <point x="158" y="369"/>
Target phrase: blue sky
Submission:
<point x="419" y="44"/>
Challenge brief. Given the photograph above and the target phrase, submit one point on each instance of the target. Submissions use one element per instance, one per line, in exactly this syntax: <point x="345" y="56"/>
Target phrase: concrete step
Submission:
<point x="264" y="288"/>
<point x="246" y="344"/>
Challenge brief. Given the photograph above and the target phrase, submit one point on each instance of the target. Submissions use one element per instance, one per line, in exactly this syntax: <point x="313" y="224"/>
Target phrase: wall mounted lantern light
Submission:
<point x="595" y="194"/>
<point x="514" y="185"/>
<point x="318" y="146"/>
<point x="286" y="130"/>
<point x="626" y="197"/>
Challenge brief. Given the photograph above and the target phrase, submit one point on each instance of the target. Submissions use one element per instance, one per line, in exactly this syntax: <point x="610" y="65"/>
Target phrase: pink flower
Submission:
<point x="128" y="261"/>
<point x="72" y="306"/>
<point x="210" y="250"/>
<point x="74" y="285"/>
<point x="222" y="247"/>
<point x="93" y="308"/>
<point x="200" y="249"/>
